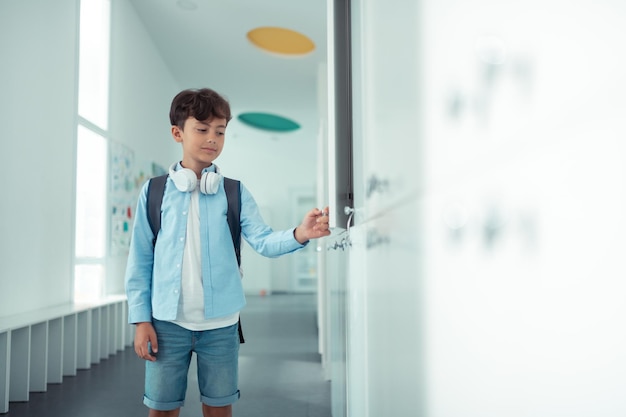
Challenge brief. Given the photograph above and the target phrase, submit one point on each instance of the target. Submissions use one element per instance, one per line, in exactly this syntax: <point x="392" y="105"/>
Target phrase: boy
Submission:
<point x="184" y="291"/>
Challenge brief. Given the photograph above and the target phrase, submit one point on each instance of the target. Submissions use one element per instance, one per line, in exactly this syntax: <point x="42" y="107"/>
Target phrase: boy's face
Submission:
<point x="202" y="142"/>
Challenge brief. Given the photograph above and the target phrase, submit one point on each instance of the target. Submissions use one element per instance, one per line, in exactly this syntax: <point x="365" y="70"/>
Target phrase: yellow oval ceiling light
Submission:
<point x="281" y="41"/>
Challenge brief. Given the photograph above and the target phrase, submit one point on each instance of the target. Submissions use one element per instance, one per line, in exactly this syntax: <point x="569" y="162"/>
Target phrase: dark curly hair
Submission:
<point x="203" y="104"/>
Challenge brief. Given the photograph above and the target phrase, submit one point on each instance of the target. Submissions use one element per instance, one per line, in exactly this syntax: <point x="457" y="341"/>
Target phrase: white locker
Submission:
<point x="485" y="277"/>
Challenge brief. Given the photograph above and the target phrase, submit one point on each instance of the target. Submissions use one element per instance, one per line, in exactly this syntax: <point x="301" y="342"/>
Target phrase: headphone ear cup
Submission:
<point x="184" y="179"/>
<point x="210" y="182"/>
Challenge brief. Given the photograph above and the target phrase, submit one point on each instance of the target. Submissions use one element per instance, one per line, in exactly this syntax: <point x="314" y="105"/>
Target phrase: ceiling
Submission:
<point x="205" y="45"/>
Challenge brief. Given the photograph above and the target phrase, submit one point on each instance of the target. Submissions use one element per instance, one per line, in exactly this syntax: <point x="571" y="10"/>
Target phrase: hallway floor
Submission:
<point x="280" y="374"/>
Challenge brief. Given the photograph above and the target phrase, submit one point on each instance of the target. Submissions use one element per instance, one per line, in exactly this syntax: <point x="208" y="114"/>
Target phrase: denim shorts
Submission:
<point x="217" y="352"/>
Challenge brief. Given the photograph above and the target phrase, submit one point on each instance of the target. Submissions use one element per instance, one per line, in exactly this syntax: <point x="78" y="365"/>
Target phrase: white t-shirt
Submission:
<point x="191" y="305"/>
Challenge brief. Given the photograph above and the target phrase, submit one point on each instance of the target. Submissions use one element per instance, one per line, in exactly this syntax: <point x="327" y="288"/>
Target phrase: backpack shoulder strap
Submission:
<point x="233" y="195"/>
<point x="233" y="216"/>
<point x="156" y="188"/>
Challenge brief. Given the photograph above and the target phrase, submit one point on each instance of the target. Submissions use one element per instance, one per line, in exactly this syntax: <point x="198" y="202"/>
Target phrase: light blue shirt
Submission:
<point x="154" y="275"/>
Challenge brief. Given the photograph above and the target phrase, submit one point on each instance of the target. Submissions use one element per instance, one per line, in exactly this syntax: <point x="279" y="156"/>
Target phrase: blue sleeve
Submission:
<point x="138" y="278"/>
<point x="259" y="235"/>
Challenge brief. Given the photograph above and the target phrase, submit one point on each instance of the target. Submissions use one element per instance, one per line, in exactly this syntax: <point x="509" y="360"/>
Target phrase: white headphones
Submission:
<point x="185" y="180"/>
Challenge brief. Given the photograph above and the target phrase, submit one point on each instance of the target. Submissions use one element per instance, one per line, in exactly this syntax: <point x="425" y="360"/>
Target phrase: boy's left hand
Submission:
<point x="313" y="226"/>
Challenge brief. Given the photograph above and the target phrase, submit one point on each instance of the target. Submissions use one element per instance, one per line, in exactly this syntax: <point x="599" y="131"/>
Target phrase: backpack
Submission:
<point x="156" y="189"/>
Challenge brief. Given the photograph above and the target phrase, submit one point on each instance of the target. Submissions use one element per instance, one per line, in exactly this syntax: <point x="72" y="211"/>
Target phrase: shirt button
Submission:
<point x="175" y="291"/>
<point x="182" y="238"/>
<point x="184" y="213"/>
<point x="178" y="266"/>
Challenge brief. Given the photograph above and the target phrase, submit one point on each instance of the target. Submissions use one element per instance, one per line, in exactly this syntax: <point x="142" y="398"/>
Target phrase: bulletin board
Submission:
<point x="127" y="175"/>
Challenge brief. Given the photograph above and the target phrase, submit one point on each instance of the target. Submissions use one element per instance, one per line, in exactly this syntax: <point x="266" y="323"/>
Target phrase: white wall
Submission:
<point x="142" y="88"/>
<point x="38" y="42"/>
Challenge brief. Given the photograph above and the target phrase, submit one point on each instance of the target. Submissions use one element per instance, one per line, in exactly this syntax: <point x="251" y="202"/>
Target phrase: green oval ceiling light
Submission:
<point x="266" y="121"/>
<point x="281" y="41"/>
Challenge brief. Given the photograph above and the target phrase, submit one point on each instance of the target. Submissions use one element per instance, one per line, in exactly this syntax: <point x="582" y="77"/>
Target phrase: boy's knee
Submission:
<point x="208" y="411"/>
<point x="159" y="413"/>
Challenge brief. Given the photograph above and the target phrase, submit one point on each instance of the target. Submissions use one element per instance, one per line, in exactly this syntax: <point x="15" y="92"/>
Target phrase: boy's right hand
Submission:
<point x="145" y="340"/>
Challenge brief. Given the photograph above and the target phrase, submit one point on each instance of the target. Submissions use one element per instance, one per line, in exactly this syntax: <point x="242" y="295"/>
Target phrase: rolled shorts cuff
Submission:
<point x="222" y="401"/>
<point x="162" y="406"/>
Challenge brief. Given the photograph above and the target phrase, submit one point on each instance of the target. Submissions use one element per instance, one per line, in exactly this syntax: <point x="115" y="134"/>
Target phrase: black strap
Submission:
<point x="156" y="189"/>
<point x="233" y="216"/>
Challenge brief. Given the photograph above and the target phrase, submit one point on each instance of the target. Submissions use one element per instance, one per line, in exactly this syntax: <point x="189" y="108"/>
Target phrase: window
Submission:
<point x="91" y="185"/>
<point x="93" y="75"/>
<point x="91" y="151"/>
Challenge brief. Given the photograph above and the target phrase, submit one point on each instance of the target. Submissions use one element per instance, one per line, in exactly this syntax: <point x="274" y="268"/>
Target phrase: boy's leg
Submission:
<point x="166" y="378"/>
<point x="208" y="411"/>
<point x="217" y="353"/>
<point x="158" y="413"/>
